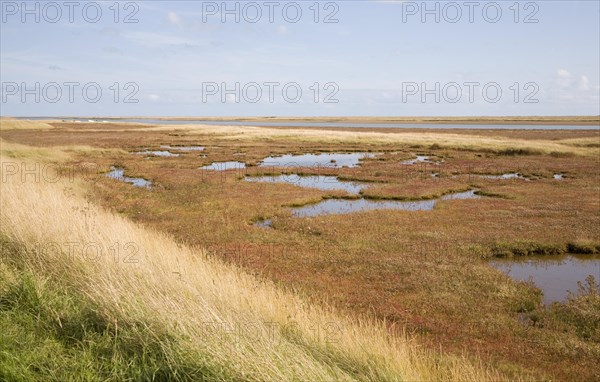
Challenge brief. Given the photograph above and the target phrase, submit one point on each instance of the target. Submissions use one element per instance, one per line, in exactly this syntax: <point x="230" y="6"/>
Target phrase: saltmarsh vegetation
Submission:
<point x="449" y="140"/>
<point x="424" y="272"/>
<point x="96" y="297"/>
<point x="531" y="248"/>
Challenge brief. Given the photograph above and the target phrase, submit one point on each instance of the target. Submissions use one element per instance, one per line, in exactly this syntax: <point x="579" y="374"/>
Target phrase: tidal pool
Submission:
<point x="554" y="275"/>
<point x="317" y="181"/>
<point x="223" y="166"/>
<point x="119" y="174"/>
<point x="341" y="206"/>
<point x="335" y="160"/>
<point x="158" y="153"/>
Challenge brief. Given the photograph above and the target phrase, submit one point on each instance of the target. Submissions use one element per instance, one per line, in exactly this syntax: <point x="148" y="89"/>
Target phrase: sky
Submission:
<point x="303" y="58"/>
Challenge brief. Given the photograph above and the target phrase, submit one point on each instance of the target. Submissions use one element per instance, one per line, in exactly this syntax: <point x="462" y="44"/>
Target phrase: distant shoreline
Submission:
<point x="512" y="120"/>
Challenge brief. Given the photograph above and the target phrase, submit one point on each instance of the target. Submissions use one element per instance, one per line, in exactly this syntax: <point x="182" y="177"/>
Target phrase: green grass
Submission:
<point x="526" y="248"/>
<point x="578" y="315"/>
<point x="504" y="249"/>
<point x="52" y="333"/>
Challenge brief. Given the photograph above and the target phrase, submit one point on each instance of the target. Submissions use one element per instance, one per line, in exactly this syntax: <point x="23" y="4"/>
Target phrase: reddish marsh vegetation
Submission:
<point x="426" y="271"/>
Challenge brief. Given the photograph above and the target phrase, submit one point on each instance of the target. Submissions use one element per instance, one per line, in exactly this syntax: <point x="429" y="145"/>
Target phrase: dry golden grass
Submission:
<point x="54" y="154"/>
<point x="581" y="146"/>
<point x="180" y="291"/>
<point x="19" y="151"/>
<point x="17" y="124"/>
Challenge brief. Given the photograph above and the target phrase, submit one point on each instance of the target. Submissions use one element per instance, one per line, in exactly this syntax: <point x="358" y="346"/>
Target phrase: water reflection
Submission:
<point x="157" y="153"/>
<point x="119" y="174"/>
<point x="223" y="166"/>
<point x="335" y="160"/>
<point x="320" y="182"/>
<point x="554" y="275"/>
<point x="338" y="206"/>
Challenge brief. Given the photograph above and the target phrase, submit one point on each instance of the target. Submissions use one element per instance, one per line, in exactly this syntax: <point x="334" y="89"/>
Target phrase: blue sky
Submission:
<point x="377" y="58"/>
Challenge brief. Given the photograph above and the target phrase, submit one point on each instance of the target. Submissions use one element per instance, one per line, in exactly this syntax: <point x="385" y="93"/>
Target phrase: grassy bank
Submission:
<point x="53" y="332"/>
<point x="93" y="296"/>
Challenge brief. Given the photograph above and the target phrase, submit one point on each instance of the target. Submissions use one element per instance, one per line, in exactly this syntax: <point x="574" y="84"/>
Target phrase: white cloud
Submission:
<point x="563" y="73"/>
<point x="584" y="83"/>
<point x="282" y="29"/>
<point x="564" y="78"/>
<point x="574" y="90"/>
<point x="153" y="97"/>
<point x="175" y="19"/>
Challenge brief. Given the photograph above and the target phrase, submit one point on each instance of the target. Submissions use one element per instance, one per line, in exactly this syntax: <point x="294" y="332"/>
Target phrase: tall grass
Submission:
<point x="46" y="154"/>
<point x="207" y="320"/>
<point x="7" y="123"/>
